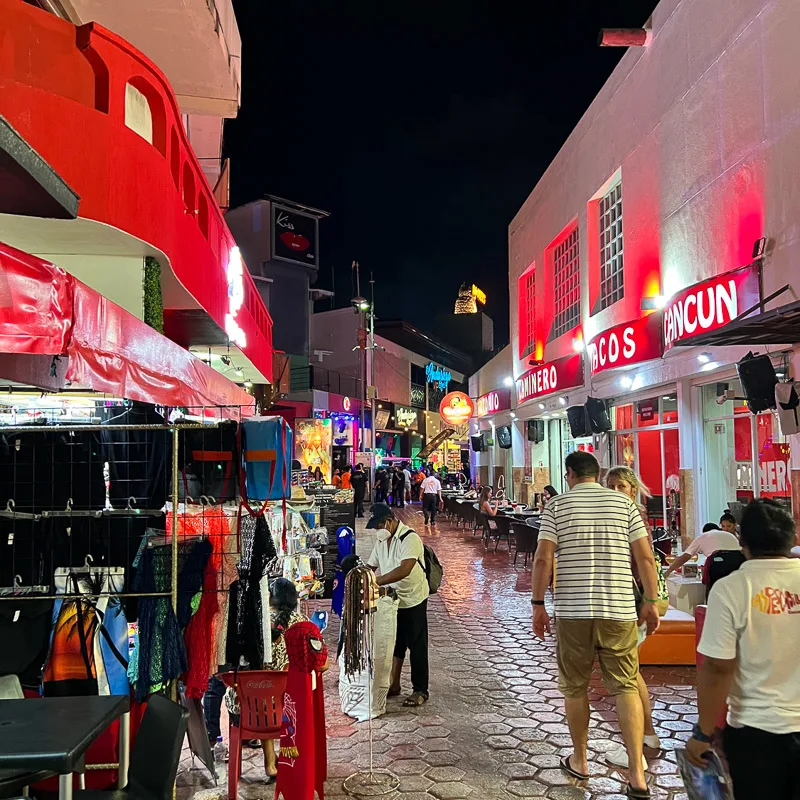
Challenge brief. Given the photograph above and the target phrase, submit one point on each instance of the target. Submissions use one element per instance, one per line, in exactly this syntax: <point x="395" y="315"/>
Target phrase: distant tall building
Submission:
<point x="469" y="325"/>
<point x="469" y="295"/>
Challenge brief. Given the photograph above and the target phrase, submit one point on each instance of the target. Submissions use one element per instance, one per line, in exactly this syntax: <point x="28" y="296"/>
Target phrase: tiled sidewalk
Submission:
<point x="494" y="727"/>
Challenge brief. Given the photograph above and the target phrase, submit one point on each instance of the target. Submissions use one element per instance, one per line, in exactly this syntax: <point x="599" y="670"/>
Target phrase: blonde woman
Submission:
<point x="625" y="480"/>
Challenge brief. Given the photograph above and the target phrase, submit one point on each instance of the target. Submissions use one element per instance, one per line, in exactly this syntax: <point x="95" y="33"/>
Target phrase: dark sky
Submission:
<point x="420" y="125"/>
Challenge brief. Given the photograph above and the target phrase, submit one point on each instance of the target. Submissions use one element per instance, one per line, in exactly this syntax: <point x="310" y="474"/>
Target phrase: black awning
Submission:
<point x="29" y="186"/>
<point x="778" y="326"/>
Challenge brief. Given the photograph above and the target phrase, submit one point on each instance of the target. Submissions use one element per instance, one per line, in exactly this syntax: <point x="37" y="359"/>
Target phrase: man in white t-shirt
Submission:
<point x="710" y="540"/>
<point x="399" y="559"/>
<point x="751" y="657"/>
<point x="431" y="497"/>
<point x="594" y="532"/>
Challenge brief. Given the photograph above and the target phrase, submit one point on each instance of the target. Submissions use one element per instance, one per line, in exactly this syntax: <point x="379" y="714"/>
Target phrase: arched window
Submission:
<point x="202" y="214"/>
<point x="189" y="192"/>
<point x="138" y="116"/>
<point x="175" y="159"/>
<point x="144" y="113"/>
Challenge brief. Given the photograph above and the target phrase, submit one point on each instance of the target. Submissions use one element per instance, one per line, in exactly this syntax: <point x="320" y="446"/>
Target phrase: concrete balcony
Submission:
<point x="106" y="119"/>
<point x="195" y="43"/>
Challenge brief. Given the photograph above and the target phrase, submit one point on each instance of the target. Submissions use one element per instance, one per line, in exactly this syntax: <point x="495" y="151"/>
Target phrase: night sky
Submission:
<point x="421" y="126"/>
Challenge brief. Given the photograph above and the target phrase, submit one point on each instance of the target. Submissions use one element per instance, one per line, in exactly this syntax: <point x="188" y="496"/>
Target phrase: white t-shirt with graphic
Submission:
<point x="754" y="615"/>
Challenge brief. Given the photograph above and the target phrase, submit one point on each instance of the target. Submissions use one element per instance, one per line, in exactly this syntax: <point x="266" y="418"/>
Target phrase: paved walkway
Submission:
<point x="494" y="727"/>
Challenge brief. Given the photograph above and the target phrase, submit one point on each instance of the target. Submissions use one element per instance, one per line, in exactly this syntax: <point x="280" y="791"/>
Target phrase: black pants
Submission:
<point x="758" y="760"/>
<point x="212" y="705"/>
<point x="430" y="502"/>
<point x="358" y="501"/>
<point x="412" y="635"/>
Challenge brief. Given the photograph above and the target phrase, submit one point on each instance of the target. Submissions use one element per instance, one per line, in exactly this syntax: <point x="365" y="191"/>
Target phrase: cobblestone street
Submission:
<point x="495" y="725"/>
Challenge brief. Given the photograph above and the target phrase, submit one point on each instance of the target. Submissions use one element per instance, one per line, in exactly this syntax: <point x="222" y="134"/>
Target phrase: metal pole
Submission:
<point x="373" y="401"/>
<point x="174" y="584"/>
<point x="362" y="350"/>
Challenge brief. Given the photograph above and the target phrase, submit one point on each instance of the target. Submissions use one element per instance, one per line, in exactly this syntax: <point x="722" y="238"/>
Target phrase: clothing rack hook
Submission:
<point x="18" y="581"/>
<point x="131" y="504"/>
<point x="88" y="561"/>
<point x="207" y="500"/>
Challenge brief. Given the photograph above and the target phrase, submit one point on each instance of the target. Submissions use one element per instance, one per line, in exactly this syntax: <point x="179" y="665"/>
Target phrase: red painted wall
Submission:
<point x="63" y="89"/>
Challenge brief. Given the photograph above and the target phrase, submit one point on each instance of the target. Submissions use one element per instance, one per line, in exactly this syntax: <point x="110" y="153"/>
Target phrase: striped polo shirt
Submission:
<point x="593" y="528"/>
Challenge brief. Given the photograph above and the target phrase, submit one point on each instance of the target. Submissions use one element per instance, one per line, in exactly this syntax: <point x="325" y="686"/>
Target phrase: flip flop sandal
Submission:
<point x="415" y="699"/>
<point x="637" y="794"/>
<point x="565" y="765"/>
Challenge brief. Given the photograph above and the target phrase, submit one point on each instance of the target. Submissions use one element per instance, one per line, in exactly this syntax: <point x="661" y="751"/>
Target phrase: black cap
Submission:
<point x="379" y="512"/>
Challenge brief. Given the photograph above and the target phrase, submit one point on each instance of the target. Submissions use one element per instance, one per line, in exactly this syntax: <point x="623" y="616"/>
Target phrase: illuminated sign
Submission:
<point x="710" y="305"/>
<point x="405" y="417"/>
<point x="479" y="295"/>
<point x="456" y="408"/>
<point x="564" y="373"/>
<point x="438" y="375"/>
<point x="346" y="403"/>
<point x="235" y="275"/>
<point x="630" y="343"/>
<point x="492" y="402"/>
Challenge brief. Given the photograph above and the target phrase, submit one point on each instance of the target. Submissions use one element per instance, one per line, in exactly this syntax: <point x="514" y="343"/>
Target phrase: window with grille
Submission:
<point x="527" y="312"/>
<point x="611" y="283"/>
<point x="567" y="283"/>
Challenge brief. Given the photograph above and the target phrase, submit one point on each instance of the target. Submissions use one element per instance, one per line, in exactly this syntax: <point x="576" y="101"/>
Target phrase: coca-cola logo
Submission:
<point x="259" y="684"/>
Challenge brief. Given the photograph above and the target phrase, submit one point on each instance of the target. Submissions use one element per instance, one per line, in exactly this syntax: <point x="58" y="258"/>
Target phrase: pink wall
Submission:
<point x="703" y="124"/>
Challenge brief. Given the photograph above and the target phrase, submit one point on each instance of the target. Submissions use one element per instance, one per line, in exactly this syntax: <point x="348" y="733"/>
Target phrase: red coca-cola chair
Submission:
<point x="699" y="621"/>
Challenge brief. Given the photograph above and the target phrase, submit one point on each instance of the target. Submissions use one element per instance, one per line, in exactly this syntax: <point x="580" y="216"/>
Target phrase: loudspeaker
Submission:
<point x="758" y="381"/>
<point x="536" y="431"/>
<point x="504" y="436"/>
<point x="597" y="412"/>
<point x="579" y="424"/>
<point x="477" y="443"/>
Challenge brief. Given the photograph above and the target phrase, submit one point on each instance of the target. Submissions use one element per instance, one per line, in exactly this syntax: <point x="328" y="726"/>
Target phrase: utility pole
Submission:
<point x="361" y="307"/>
<point x="373" y="400"/>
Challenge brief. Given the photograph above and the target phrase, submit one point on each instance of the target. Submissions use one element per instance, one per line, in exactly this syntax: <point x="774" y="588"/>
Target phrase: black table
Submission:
<point x="53" y="734"/>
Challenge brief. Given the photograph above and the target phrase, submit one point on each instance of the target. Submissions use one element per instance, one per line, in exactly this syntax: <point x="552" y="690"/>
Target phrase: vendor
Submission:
<point x="711" y="540"/>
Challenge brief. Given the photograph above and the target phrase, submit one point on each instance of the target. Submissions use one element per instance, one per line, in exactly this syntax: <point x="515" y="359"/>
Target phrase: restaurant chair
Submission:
<point x="155" y="756"/>
<point x="526" y="538"/>
<point x="260" y="694"/>
<point x="503" y="531"/>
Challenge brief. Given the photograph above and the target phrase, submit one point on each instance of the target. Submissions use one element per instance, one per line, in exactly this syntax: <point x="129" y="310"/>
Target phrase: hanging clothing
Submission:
<point x="245" y="645"/>
<point x="303" y="758"/>
<point x="138" y="460"/>
<point x="89" y="641"/>
<point x="160" y="652"/>
<point x="25" y="636"/>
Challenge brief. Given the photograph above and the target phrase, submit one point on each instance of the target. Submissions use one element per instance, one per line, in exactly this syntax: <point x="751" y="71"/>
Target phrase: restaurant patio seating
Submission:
<point x="526" y="537"/>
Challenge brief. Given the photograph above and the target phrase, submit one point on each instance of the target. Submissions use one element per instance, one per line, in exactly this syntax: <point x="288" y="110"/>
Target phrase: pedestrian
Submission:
<point x="484" y="501"/>
<point x="750" y="657"/>
<point x="346" y="477"/>
<point x="383" y="484"/>
<point x="398" y="487"/>
<point x="727" y="522"/>
<point x="399" y="558"/>
<point x="431" y="497"/>
<point x="711" y="540"/>
<point x="336" y="480"/>
<point x="625" y="480"/>
<point x="548" y="493"/>
<point x="594" y="531"/>
<point x="407" y="487"/>
<point x="359" y="483"/>
<point x="318" y="476"/>
<point x="418" y="478"/>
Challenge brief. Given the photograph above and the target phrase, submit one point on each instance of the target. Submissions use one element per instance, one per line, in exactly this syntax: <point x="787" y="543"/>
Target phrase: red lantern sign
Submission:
<point x="456" y="408"/>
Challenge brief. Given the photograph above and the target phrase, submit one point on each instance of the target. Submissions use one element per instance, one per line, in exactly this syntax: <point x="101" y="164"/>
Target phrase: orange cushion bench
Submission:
<point x="673" y="643"/>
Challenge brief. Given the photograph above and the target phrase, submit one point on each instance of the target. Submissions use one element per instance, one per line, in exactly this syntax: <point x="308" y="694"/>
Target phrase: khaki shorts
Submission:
<point x="616" y="646"/>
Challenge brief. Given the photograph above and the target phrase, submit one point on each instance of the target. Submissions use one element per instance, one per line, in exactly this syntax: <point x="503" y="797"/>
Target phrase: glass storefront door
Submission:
<point x="746" y="456"/>
<point x="646" y="439"/>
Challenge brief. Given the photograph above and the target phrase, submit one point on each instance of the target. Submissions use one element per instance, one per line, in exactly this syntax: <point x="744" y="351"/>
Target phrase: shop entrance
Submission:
<point x="645" y="438"/>
<point x="746" y="456"/>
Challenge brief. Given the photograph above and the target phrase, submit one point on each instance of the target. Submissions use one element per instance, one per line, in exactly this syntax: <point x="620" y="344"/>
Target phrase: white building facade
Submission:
<point x="652" y="256"/>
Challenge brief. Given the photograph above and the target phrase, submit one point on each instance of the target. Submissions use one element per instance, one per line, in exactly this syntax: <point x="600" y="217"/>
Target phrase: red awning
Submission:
<point x="46" y="311"/>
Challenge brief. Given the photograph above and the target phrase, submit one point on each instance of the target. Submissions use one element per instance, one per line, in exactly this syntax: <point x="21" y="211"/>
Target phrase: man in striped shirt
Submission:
<point x="594" y="531"/>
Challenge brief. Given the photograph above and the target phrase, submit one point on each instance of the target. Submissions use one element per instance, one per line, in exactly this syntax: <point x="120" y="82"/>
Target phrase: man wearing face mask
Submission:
<point x="399" y="558"/>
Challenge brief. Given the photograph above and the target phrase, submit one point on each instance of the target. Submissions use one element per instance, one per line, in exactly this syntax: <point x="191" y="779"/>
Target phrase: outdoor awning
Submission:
<point x="777" y="326"/>
<point x="45" y="311"/>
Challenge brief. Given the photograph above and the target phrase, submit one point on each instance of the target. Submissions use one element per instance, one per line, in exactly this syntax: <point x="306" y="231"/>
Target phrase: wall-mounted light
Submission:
<point x="563" y="400"/>
<point x="626" y="381"/>
<point x="759" y="246"/>
<point x="707" y="367"/>
<point x="238" y="372"/>
<point x="704" y="358"/>
<point x="509" y="381"/>
<point x="541" y="406"/>
<point x="654" y="303"/>
<point x="578" y="344"/>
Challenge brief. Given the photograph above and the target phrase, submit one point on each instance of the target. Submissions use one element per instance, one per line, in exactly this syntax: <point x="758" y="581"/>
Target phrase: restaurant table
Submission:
<point x="53" y="734"/>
